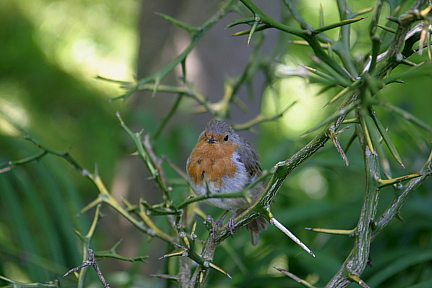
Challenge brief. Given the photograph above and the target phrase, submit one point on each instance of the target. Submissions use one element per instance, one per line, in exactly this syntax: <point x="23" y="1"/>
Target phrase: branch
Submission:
<point x="395" y="206"/>
<point x="196" y="32"/>
<point x="307" y="35"/>
<point x="29" y="285"/>
<point x="357" y="259"/>
<point x="279" y="173"/>
<point x="295" y="278"/>
<point x="91" y="261"/>
<point x="88" y="256"/>
<point x="405" y="21"/>
<point x="261" y="118"/>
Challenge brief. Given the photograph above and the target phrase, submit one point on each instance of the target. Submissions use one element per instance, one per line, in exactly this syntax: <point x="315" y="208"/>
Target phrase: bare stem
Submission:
<point x="91" y="261"/>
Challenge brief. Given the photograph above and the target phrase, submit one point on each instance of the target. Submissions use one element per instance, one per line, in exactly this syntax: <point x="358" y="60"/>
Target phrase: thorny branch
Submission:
<point x="357" y="91"/>
<point x="91" y="261"/>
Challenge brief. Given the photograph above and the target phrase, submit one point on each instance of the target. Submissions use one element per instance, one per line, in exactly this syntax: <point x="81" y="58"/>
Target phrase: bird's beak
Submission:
<point x="211" y="140"/>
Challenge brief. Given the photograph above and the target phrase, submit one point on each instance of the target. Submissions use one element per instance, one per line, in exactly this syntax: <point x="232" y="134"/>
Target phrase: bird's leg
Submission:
<point x="230" y="224"/>
<point x="218" y="224"/>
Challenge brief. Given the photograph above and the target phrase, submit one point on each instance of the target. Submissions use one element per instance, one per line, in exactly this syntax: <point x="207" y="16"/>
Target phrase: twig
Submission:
<point x="260" y="119"/>
<point x="394" y="53"/>
<point x="197" y="33"/>
<point x="54" y="284"/>
<point x="395" y="206"/>
<point x="91" y="261"/>
<point x="295" y="278"/>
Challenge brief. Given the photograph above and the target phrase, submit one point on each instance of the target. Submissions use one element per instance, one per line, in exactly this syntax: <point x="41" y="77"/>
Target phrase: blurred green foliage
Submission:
<point x="61" y="109"/>
<point x="65" y="111"/>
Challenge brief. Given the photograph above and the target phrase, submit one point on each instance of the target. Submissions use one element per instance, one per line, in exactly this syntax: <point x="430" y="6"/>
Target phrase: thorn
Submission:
<point x="398" y="216"/>
<point x="357" y="279"/>
<point x="294" y="277"/>
<point x="217" y="268"/>
<point x="278" y="225"/>
<point x="349" y="233"/>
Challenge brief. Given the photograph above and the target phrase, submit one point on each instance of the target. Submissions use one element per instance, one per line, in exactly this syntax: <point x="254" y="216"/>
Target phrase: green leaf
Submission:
<point x="361" y="12"/>
<point x="336" y="76"/>
<point x="386" y="137"/>
<point x="366" y="131"/>
<point x="407" y="116"/>
<point x="424" y="284"/>
<point x="399" y="265"/>
<point x="325" y="89"/>
<point x="253" y="29"/>
<point x="22" y="234"/>
<point x="246" y="32"/>
<point x="112" y="254"/>
<point x="337" y="24"/>
<point x="189" y="28"/>
<point x="319" y="73"/>
<point x="248" y="21"/>
<point x="332" y="117"/>
<point x="22" y="285"/>
<point x="321" y="16"/>
<point x="344" y="92"/>
<point x="388" y="29"/>
<point x="411" y="73"/>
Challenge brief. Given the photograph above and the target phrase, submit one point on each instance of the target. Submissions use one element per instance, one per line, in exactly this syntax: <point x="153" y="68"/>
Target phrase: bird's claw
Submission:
<point x="231" y="224"/>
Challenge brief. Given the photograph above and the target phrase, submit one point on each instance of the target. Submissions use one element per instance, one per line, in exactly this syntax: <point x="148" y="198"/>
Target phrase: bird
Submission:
<point x="224" y="162"/>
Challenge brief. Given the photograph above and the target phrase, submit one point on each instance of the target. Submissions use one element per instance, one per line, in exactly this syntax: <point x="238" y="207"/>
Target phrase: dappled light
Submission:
<point x="312" y="182"/>
<point x="305" y="113"/>
<point x="13" y="116"/>
<point x="85" y="39"/>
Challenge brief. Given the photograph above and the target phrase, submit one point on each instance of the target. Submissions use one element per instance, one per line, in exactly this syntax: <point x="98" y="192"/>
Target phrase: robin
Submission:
<point x="223" y="162"/>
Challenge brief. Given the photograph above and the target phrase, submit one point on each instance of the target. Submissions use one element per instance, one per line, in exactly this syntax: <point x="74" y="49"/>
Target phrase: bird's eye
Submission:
<point x="226" y="138"/>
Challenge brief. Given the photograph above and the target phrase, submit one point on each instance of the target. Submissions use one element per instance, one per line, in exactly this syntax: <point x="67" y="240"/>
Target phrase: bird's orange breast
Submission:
<point x="210" y="162"/>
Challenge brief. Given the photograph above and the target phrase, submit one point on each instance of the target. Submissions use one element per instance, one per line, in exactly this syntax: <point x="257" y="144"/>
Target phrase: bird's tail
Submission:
<point x="255" y="227"/>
